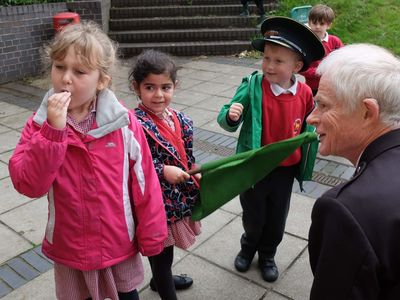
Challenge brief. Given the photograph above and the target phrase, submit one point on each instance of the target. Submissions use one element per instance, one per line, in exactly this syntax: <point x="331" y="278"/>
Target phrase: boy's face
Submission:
<point x="279" y="64"/>
<point x="319" y="28"/>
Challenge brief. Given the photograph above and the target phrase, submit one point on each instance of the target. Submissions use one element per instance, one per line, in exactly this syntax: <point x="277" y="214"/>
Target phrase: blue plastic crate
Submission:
<point x="300" y="13"/>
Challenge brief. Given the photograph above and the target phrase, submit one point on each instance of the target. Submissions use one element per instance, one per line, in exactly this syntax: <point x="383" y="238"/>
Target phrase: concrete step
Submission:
<point x="187" y="48"/>
<point x="182" y="22"/>
<point x="181" y="11"/>
<point x="182" y="35"/>
<point x="183" y="27"/>
<point x="140" y="3"/>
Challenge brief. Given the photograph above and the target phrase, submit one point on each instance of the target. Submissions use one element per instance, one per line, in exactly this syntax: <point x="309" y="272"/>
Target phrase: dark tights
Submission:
<point x="259" y="4"/>
<point x="132" y="295"/>
<point x="162" y="274"/>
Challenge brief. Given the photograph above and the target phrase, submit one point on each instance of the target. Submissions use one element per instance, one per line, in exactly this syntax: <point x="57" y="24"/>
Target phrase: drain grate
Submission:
<point x="213" y="148"/>
<point x="327" y="180"/>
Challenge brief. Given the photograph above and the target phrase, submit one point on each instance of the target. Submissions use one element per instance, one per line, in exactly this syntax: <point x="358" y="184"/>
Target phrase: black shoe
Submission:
<point x="242" y="262"/>
<point x="181" y="282"/>
<point x="269" y="270"/>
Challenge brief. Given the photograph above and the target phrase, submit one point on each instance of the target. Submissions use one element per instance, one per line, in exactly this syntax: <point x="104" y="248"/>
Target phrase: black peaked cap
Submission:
<point x="291" y="34"/>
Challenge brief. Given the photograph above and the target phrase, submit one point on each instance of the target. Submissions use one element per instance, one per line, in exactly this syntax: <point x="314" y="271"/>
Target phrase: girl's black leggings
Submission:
<point x="162" y="274"/>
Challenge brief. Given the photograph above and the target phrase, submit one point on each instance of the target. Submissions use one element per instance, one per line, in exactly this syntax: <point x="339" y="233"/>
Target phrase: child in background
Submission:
<point x="272" y="107"/>
<point x="170" y="137"/>
<point x="90" y="155"/>
<point x="260" y="6"/>
<point x="320" y="19"/>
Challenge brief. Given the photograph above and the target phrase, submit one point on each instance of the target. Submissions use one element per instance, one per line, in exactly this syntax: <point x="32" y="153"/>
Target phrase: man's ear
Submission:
<point x="370" y="109"/>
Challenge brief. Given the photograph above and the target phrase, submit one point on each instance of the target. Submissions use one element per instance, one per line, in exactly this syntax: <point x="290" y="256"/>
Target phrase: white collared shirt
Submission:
<point x="278" y="90"/>
<point x="326" y="37"/>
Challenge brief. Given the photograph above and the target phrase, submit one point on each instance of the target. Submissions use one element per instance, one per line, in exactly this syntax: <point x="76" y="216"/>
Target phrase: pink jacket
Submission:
<point x="105" y="201"/>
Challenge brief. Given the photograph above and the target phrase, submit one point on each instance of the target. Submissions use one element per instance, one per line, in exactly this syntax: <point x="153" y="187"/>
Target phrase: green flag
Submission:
<point x="225" y="178"/>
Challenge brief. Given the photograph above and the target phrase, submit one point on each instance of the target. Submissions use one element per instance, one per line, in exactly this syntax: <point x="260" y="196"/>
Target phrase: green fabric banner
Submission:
<point x="225" y="178"/>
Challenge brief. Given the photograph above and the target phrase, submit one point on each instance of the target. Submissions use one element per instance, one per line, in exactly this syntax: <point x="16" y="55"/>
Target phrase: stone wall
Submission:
<point x="24" y="30"/>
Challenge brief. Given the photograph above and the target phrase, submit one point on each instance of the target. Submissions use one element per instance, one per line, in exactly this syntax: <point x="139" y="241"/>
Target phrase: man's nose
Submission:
<point x="312" y="118"/>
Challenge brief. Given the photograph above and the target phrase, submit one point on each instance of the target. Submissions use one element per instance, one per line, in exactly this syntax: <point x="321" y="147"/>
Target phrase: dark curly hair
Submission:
<point x="152" y="62"/>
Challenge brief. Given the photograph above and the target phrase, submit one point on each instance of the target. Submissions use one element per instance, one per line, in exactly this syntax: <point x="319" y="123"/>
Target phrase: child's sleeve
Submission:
<point x="151" y="222"/>
<point x="241" y="96"/>
<point x="37" y="157"/>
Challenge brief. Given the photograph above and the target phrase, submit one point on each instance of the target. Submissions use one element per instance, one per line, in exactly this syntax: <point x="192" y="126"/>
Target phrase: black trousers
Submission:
<point x="162" y="274"/>
<point x="265" y="209"/>
<point x="259" y="4"/>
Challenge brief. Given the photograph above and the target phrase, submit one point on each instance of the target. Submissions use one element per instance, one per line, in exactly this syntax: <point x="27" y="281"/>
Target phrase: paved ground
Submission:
<point x="205" y="85"/>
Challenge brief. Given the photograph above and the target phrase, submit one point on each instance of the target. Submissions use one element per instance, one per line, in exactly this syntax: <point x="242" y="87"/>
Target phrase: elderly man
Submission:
<point x="354" y="239"/>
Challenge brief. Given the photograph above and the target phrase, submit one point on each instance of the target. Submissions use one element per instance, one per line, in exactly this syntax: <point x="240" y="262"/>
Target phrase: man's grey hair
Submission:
<point x="360" y="71"/>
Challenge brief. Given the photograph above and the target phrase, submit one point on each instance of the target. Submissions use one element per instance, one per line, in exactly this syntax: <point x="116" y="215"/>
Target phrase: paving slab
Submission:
<point x="202" y="75"/>
<point x="213" y="103"/>
<point x="187" y="97"/>
<point x="211" y="280"/>
<point x="211" y="225"/>
<point x="3" y="170"/>
<point x="229" y="78"/>
<point x="12" y="244"/>
<point x="222" y="248"/>
<point x="189" y="83"/>
<point x="17" y="121"/>
<point x="299" y="219"/>
<point x="4" y="128"/>
<point x="29" y="220"/>
<point x="5" y="156"/>
<point x="8" y="140"/>
<point x="233" y="206"/>
<point x="213" y="126"/>
<point x="40" y="288"/>
<point x="298" y="280"/>
<point x="210" y="88"/>
<point x="199" y="116"/>
<point x="7" y="109"/>
<point x="10" y="198"/>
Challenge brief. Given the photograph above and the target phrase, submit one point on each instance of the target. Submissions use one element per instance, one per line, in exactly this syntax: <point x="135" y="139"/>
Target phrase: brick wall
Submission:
<point x="24" y="30"/>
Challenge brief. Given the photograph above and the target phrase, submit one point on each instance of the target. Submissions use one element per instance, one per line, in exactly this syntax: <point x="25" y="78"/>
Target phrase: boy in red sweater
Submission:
<point x="270" y="107"/>
<point x="320" y="19"/>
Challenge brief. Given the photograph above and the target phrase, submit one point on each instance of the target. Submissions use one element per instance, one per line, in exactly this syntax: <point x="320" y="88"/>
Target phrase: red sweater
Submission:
<point x="312" y="79"/>
<point x="283" y="116"/>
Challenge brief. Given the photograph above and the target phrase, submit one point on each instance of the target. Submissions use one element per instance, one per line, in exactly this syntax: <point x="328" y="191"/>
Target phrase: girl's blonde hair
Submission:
<point x="93" y="47"/>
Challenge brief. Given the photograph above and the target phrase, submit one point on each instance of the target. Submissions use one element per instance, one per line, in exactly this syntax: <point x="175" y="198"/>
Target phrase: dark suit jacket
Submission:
<point x="354" y="239"/>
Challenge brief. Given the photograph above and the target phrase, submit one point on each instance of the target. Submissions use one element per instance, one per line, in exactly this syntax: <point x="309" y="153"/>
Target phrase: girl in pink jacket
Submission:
<point x="89" y="154"/>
